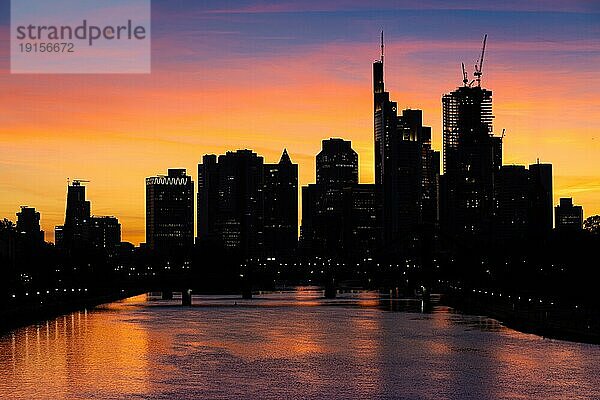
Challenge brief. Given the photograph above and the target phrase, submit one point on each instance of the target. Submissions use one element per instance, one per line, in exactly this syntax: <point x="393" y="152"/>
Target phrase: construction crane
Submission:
<point x="478" y="68"/>
<point x="503" y="133"/>
<point x="78" y="182"/>
<point x="465" y="76"/>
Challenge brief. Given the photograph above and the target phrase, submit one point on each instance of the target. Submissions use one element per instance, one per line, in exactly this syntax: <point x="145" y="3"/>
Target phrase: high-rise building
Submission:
<point x="430" y="180"/>
<point x="105" y="233"/>
<point x="512" y="205"/>
<point x="75" y="231"/>
<point x="59" y="236"/>
<point x="28" y="225"/>
<point x="170" y="212"/>
<point x="231" y="201"/>
<point x="541" y="199"/>
<point x="337" y="163"/>
<point x="406" y="174"/>
<point x="569" y="218"/>
<point x="467" y="114"/>
<point x="208" y="197"/>
<point x="362" y="230"/>
<point x="472" y="155"/>
<point x="281" y="206"/>
<point x="340" y="217"/>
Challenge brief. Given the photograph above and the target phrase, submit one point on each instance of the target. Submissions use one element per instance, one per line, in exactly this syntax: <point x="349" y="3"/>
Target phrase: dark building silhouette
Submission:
<point x="170" y="212"/>
<point x="522" y="205"/>
<point x="569" y="218"/>
<point x="406" y="168"/>
<point x="512" y="205"/>
<point x="472" y="155"/>
<point x="8" y="248"/>
<point x="105" y="233"/>
<point x="75" y="231"/>
<point x="340" y="217"/>
<point x="247" y="206"/>
<point x="208" y="198"/>
<point x="230" y="201"/>
<point x="28" y="225"/>
<point x="59" y="236"/>
<point x="337" y="163"/>
<point x="362" y="227"/>
<point x="281" y="206"/>
<point x="430" y="179"/>
<point x="541" y="198"/>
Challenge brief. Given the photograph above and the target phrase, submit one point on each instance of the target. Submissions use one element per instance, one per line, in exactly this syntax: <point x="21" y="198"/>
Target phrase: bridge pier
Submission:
<point x="167" y="295"/>
<point x="247" y="293"/>
<point x="330" y="289"/>
<point x="186" y="297"/>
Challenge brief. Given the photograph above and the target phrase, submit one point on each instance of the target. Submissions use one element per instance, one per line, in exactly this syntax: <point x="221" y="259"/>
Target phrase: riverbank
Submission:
<point x="30" y="313"/>
<point x="542" y="317"/>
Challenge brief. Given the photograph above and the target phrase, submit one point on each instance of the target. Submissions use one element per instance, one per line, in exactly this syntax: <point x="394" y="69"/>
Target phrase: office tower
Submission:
<point x="340" y="217"/>
<point x="471" y="158"/>
<point x="467" y="116"/>
<point x="281" y="206"/>
<point x="8" y="249"/>
<point x="59" y="236"/>
<point x="541" y="200"/>
<point x="170" y="212"/>
<point x="322" y="220"/>
<point x="105" y="233"/>
<point x="28" y="225"/>
<point x="406" y="174"/>
<point x="385" y="118"/>
<point x="430" y="180"/>
<point x="231" y="201"/>
<point x="512" y="205"/>
<point x="362" y="228"/>
<point x="569" y="218"/>
<point x="77" y="217"/>
<point x="337" y="163"/>
<point x="402" y="185"/>
<point x="208" y="197"/>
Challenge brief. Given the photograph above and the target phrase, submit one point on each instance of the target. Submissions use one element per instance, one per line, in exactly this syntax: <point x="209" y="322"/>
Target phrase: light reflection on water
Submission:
<point x="289" y="345"/>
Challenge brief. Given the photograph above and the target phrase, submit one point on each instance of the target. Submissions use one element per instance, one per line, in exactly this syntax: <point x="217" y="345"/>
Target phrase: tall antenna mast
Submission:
<point x="478" y="68"/>
<point x="382" y="46"/>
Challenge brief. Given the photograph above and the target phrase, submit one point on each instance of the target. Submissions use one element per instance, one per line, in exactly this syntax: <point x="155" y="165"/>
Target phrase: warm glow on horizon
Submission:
<point x="223" y="89"/>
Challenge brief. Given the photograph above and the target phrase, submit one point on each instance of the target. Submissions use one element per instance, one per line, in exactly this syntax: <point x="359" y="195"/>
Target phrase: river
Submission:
<point x="289" y="345"/>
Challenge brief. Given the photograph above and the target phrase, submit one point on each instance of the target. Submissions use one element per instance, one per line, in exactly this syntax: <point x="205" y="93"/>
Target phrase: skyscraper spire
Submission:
<point x="382" y="46"/>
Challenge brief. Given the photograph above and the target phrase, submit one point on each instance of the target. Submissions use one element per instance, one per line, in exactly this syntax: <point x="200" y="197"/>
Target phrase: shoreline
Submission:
<point x="30" y="314"/>
<point x="543" y="320"/>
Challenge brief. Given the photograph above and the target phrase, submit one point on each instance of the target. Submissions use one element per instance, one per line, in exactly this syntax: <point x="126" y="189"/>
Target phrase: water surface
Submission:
<point x="292" y="345"/>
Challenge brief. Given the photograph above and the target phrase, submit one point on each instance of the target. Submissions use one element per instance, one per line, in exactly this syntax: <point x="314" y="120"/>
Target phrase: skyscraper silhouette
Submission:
<point x="472" y="155"/>
<point x="28" y="225"/>
<point x="340" y="217"/>
<point x="246" y="206"/>
<point x="105" y="233"/>
<point x="405" y="168"/>
<point x="541" y="198"/>
<point x="512" y="205"/>
<point x="170" y="212"/>
<point x="337" y="163"/>
<point x="75" y="231"/>
<point x="281" y="206"/>
<point x="569" y="217"/>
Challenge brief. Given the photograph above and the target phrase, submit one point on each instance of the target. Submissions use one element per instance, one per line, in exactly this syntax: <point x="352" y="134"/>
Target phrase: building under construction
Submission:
<point x="472" y="155"/>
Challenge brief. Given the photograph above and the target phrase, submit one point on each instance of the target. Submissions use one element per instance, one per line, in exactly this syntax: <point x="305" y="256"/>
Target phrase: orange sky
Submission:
<point x="115" y="130"/>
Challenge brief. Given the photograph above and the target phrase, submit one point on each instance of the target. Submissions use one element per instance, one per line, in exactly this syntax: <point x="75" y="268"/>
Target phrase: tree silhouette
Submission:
<point x="592" y="224"/>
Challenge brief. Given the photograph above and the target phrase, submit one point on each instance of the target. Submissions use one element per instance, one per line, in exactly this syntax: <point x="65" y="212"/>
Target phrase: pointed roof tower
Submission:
<point x="285" y="158"/>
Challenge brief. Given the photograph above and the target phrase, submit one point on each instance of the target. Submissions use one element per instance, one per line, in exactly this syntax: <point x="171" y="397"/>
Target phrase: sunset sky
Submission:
<point x="266" y="75"/>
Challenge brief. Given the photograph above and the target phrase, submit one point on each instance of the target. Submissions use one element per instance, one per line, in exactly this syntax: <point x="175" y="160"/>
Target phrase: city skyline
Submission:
<point x="163" y="122"/>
